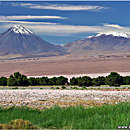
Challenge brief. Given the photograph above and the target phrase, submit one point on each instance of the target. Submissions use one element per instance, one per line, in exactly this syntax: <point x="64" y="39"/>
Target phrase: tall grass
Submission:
<point x="105" y="117"/>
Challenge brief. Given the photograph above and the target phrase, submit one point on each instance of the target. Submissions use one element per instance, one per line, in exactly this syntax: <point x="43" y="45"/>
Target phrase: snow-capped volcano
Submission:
<point x="111" y="41"/>
<point x="20" y="40"/>
<point x="116" y="34"/>
<point x="21" y="29"/>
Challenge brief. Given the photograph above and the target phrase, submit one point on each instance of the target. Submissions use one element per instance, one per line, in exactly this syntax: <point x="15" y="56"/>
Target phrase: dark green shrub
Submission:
<point x="84" y="81"/>
<point x="44" y="81"/>
<point x="73" y="81"/>
<point x="17" y="80"/>
<point x="52" y="81"/>
<point x="15" y="88"/>
<point x="98" y="81"/>
<point x="32" y="81"/>
<point x="84" y="87"/>
<point x="61" y="80"/>
<point x="126" y="80"/>
<point x="3" y="81"/>
<point x="75" y="88"/>
<point x="63" y="87"/>
<point x="114" y="79"/>
<point x="57" y="87"/>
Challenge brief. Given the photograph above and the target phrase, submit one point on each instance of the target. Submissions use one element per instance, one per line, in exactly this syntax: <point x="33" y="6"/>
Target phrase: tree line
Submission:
<point x="113" y="79"/>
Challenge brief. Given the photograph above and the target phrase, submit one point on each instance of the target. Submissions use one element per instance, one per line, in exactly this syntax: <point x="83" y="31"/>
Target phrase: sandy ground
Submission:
<point x="42" y="99"/>
<point x="63" y="65"/>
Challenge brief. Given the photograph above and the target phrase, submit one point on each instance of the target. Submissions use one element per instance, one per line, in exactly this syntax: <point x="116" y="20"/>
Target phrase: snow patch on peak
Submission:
<point x="90" y="36"/>
<point x="20" y="29"/>
<point x="116" y="34"/>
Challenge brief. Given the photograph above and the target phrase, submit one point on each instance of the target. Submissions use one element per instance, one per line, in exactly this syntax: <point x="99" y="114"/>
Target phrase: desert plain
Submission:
<point x="67" y="65"/>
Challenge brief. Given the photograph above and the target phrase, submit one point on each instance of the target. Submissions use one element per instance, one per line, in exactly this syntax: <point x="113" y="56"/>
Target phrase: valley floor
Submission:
<point x="67" y="65"/>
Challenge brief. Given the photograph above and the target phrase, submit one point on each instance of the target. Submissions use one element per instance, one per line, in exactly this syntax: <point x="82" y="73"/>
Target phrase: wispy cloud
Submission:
<point x="22" y="17"/>
<point x="113" y="26"/>
<point x="62" y="7"/>
<point x="67" y="30"/>
<point x="28" y="22"/>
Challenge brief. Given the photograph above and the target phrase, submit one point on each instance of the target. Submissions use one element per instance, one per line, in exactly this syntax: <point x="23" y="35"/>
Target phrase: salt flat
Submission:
<point x="63" y="98"/>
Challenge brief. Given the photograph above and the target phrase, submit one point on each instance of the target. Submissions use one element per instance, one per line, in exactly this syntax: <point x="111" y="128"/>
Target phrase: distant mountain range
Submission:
<point x="20" y="40"/>
<point x="102" y="42"/>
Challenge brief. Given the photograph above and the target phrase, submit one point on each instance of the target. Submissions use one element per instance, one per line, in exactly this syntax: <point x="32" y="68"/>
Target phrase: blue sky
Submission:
<point x="64" y="21"/>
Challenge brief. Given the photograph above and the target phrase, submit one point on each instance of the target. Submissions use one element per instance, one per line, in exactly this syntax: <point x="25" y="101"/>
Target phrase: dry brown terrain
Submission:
<point x="65" y="65"/>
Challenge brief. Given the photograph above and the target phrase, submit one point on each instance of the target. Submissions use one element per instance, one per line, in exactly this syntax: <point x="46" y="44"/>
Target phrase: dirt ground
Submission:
<point x="66" y="65"/>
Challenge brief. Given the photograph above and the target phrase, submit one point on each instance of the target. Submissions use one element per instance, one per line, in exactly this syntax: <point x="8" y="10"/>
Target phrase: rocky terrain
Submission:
<point x="43" y="99"/>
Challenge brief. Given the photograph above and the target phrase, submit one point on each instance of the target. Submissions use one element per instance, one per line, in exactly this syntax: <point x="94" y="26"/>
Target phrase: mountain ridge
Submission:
<point x="116" y="34"/>
<point x="116" y="42"/>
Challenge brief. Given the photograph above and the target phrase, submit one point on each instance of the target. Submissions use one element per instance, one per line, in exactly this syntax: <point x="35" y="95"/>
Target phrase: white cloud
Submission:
<point x="63" y="7"/>
<point x="29" y="17"/>
<point x="54" y="29"/>
<point x="67" y="7"/>
<point x="114" y="26"/>
<point x="66" y="30"/>
<point x="13" y="19"/>
<point x="59" y="29"/>
<point x="27" y="22"/>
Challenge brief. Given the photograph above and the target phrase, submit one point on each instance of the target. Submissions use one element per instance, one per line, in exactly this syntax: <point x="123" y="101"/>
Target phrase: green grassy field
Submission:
<point x="104" y="117"/>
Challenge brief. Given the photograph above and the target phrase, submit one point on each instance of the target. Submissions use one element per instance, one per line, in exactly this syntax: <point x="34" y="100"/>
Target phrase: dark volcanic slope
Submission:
<point x="19" y="40"/>
<point x="100" y="43"/>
